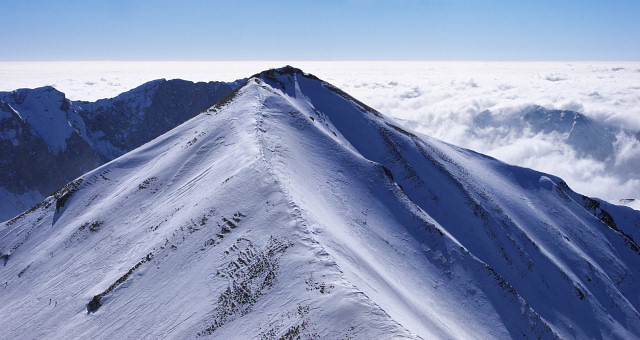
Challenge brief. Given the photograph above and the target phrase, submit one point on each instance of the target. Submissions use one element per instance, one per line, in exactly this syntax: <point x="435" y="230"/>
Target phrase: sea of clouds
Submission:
<point x="440" y="99"/>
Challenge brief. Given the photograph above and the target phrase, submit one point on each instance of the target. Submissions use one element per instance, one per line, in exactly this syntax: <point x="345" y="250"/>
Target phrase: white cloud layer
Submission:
<point x="440" y="99"/>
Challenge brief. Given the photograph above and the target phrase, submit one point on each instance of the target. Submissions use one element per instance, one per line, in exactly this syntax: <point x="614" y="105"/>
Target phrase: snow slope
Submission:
<point x="291" y="209"/>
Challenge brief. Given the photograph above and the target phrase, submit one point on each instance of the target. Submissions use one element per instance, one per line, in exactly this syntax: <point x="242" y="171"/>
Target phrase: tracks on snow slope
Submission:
<point x="305" y="235"/>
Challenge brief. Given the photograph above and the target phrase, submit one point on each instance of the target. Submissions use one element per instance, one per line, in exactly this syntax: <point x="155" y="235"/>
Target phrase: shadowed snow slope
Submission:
<point x="291" y="209"/>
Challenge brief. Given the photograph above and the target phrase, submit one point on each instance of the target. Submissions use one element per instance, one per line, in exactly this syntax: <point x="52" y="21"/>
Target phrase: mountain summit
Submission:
<point x="291" y="210"/>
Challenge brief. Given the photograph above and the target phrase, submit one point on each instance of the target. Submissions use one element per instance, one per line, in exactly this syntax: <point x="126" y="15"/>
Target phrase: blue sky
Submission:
<point x="320" y="30"/>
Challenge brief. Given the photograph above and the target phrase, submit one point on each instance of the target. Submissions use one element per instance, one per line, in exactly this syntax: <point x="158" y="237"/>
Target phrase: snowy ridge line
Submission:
<point x="594" y="207"/>
<point x="295" y="210"/>
<point x="502" y="282"/>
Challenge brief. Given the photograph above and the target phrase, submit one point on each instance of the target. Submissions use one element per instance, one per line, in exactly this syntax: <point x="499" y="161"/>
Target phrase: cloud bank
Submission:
<point x="446" y="100"/>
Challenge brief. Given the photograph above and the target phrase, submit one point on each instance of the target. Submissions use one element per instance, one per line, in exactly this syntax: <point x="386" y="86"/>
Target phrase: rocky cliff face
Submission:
<point x="48" y="140"/>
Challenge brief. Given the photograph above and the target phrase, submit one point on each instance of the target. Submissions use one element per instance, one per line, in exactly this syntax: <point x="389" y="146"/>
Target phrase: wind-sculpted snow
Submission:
<point x="291" y="210"/>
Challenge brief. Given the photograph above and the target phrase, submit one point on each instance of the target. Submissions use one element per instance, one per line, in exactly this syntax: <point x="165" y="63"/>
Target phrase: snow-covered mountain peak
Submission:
<point x="287" y="79"/>
<point x="45" y="109"/>
<point x="289" y="209"/>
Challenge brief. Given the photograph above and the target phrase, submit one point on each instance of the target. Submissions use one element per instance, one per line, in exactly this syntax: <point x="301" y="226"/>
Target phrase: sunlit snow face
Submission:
<point x="444" y="100"/>
<point x="440" y="99"/>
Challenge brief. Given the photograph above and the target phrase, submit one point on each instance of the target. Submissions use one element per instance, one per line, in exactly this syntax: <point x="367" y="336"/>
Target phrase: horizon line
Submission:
<point x="318" y="60"/>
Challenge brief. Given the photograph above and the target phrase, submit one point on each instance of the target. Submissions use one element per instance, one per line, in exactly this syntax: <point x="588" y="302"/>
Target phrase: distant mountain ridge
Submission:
<point x="588" y="137"/>
<point x="47" y="140"/>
